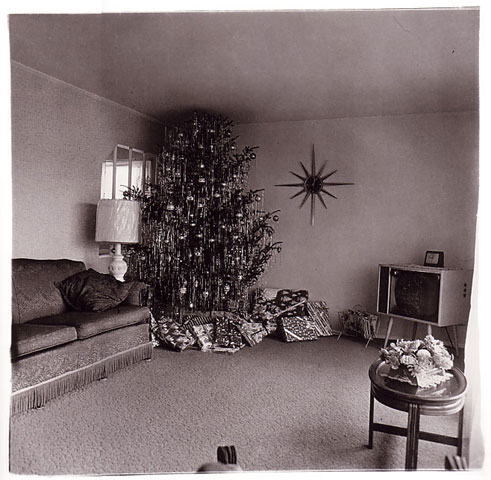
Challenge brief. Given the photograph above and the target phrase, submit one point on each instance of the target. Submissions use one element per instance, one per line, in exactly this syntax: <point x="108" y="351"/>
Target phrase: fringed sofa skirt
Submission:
<point x="40" y="377"/>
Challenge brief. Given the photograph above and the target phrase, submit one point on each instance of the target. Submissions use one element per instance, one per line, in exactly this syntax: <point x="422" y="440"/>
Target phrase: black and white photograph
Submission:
<point x="244" y="240"/>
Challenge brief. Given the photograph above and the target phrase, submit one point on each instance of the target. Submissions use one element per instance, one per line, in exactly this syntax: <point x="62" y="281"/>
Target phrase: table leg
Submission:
<point x="456" y="340"/>
<point x="370" y="424"/>
<point x="412" y="437"/>
<point x="389" y="328"/>
<point x="460" y="434"/>
<point x="429" y="329"/>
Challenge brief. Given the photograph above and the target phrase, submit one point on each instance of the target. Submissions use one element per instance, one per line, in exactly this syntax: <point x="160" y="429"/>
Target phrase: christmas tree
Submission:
<point x="205" y="237"/>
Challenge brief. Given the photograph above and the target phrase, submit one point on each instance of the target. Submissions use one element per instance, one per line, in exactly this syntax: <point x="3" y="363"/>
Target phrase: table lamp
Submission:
<point x="117" y="222"/>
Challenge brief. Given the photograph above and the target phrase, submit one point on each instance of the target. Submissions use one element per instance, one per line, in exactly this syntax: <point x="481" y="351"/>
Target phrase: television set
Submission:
<point x="432" y="295"/>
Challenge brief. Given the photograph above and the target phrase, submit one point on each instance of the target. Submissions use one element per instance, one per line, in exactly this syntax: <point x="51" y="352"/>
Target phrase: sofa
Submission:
<point x="56" y="348"/>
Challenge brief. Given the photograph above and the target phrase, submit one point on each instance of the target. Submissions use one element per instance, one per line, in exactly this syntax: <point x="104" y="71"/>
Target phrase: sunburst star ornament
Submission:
<point x="313" y="185"/>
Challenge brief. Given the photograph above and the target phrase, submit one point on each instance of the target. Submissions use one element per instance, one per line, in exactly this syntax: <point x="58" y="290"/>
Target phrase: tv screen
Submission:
<point x="415" y="294"/>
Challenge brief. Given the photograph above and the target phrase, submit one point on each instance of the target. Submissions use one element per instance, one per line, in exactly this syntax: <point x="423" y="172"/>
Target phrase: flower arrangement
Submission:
<point x="421" y="362"/>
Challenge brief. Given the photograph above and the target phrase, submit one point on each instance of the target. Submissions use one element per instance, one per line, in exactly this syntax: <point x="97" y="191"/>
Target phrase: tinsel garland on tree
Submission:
<point x="205" y="237"/>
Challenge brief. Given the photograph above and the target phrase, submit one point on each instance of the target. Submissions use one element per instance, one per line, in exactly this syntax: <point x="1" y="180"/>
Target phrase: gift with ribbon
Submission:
<point x="319" y="313"/>
<point x="253" y="333"/>
<point x="173" y="334"/>
<point x="291" y="303"/>
<point x="296" y="329"/>
<point x="204" y="335"/>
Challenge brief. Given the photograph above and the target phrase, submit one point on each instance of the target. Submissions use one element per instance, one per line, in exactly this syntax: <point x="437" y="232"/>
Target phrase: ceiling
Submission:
<point x="260" y="67"/>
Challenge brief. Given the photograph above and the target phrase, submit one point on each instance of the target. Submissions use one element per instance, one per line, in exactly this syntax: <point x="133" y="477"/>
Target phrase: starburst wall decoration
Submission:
<point x="313" y="184"/>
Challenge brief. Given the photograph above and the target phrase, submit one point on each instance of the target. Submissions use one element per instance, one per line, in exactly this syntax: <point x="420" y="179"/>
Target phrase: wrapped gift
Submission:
<point x="319" y="313"/>
<point x="173" y="334"/>
<point x="270" y="324"/>
<point x="296" y="329"/>
<point x="270" y="293"/>
<point x="268" y="305"/>
<point x="204" y="335"/>
<point x="192" y="319"/>
<point x="218" y="349"/>
<point x="263" y="307"/>
<point x="156" y="341"/>
<point x="291" y="303"/>
<point x="253" y="333"/>
<point x="227" y="333"/>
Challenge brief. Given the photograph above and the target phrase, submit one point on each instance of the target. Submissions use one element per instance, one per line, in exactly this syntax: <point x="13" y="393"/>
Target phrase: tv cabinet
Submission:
<point x="434" y="296"/>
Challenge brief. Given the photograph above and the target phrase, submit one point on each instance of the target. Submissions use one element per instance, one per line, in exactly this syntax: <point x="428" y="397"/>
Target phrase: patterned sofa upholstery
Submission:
<point x="56" y="349"/>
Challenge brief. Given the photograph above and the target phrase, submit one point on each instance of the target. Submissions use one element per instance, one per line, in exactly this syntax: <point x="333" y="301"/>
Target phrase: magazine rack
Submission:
<point x="357" y="322"/>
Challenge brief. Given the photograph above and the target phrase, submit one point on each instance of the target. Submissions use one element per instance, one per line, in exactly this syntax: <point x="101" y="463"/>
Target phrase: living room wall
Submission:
<point x="60" y="137"/>
<point x="416" y="189"/>
<point x="416" y="181"/>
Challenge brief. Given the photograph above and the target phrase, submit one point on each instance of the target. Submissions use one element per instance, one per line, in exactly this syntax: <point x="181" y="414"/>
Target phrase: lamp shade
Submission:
<point x="117" y="221"/>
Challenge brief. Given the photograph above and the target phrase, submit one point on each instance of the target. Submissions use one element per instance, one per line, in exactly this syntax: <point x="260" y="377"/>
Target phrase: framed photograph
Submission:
<point x="433" y="259"/>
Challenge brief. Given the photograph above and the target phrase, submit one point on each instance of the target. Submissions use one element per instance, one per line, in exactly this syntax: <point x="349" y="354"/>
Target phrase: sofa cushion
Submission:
<point x="88" y="324"/>
<point x="27" y="338"/>
<point x="91" y="291"/>
<point x="33" y="291"/>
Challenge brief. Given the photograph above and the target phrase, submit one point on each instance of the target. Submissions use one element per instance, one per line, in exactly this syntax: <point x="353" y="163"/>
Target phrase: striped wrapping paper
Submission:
<point x="195" y="320"/>
<point x="319" y="313"/>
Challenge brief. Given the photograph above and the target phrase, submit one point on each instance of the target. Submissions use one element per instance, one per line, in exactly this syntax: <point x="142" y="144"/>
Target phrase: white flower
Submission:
<point x="423" y="354"/>
<point x="408" y="360"/>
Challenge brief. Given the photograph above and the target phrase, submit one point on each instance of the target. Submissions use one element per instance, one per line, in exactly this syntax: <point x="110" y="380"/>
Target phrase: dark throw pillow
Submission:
<point x="91" y="291"/>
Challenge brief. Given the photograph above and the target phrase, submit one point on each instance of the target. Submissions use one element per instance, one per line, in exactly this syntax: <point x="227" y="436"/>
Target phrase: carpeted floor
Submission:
<point x="298" y="406"/>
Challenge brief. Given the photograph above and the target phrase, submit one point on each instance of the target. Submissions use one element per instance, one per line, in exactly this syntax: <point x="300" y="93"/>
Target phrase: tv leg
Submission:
<point x="415" y="330"/>
<point x="449" y="337"/>
<point x="429" y="329"/>
<point x="389" y="328"/>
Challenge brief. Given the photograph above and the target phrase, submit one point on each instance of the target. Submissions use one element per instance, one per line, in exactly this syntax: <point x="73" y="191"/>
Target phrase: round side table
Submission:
<point x="445" y="399"/>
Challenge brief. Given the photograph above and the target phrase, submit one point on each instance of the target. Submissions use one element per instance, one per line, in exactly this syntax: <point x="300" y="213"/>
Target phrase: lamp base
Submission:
<point x="117" y="267"/>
